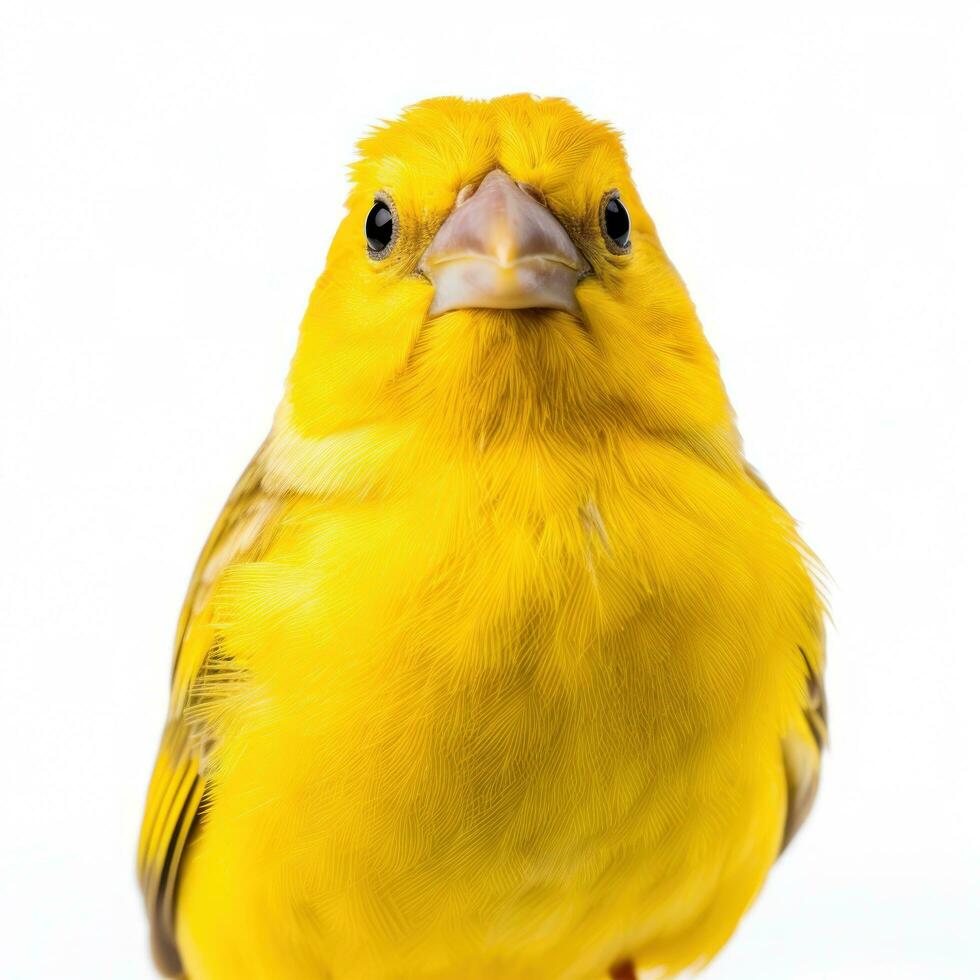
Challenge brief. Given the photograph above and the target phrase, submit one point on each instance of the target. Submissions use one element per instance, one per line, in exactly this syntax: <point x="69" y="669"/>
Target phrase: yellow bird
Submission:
<point x="500" y="662"/>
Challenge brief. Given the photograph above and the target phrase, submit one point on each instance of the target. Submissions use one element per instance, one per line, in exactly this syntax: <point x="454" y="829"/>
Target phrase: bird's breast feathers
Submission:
<point x="469" y="700"/>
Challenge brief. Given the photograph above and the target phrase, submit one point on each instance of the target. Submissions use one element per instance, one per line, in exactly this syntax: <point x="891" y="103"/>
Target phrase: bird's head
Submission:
<point x="497" y="277"/>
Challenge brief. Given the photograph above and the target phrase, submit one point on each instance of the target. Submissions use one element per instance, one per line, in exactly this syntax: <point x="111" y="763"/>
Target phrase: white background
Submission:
<point x="170" y="178"/>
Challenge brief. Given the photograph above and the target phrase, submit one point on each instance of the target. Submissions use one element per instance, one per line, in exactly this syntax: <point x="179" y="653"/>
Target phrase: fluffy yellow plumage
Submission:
<point x="500" y="661"/>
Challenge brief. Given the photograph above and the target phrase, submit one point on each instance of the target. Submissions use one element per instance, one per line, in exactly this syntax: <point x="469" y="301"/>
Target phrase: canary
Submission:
<point x="500" y="662"/>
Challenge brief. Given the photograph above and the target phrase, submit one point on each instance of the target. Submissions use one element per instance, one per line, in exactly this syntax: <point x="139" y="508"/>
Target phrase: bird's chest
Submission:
<point x="461" y="731"/>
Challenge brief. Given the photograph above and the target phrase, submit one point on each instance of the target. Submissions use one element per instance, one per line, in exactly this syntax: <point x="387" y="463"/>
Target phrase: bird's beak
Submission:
<point x="501" y="249"/>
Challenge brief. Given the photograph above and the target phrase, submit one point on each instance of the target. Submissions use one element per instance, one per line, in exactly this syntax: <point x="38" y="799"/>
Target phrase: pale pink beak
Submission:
<point x="500" y="249"/>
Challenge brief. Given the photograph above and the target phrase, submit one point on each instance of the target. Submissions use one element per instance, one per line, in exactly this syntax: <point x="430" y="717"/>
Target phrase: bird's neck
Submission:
<point x="386" y="456"/>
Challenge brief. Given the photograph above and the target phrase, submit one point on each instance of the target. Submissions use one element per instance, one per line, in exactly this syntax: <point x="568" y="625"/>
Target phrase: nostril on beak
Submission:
<point x="532" y="191"/>
<point x="465" y="193"/>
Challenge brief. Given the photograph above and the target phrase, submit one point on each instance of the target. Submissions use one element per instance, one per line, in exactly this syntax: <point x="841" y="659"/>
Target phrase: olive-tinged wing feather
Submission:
<point x="177" y="794"/>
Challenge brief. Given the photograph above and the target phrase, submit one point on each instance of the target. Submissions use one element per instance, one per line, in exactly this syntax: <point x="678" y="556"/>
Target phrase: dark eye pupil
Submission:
<point x="617" y="220"/>
<point x="379" y="227"/>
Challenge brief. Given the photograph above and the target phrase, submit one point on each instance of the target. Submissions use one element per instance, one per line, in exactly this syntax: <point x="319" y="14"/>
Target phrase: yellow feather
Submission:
<point x="496" y="663"/>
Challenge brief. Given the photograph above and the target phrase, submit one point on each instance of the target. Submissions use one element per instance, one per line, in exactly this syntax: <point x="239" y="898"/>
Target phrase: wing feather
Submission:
<point x="802" y="750"/>
<point x="179" y="784"/>
<point x="803" y="745"/>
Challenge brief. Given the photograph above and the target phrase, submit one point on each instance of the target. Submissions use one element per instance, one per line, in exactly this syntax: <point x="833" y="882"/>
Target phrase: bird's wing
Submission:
<point x="804" y="743"/>
<point x="179" y="784"/>
<point x="803" y="746"/>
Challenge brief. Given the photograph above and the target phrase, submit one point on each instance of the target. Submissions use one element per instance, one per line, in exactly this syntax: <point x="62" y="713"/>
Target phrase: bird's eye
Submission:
<point x="615" y="222"/>
<point x="380" y="228"/>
